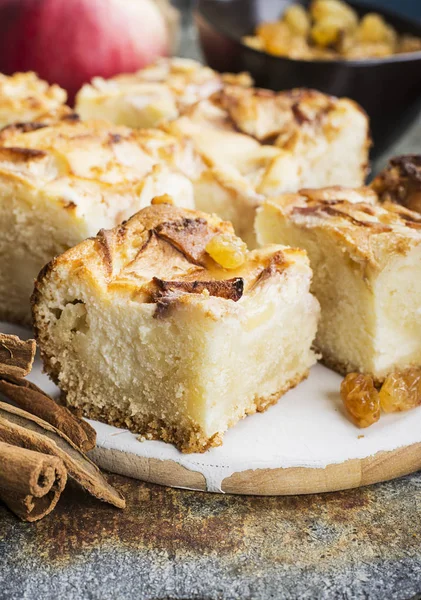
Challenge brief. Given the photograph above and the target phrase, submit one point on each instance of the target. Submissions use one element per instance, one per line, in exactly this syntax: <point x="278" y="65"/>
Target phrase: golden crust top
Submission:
<point x="267" y="136"/>
<point x="59" y="114"/>
<point x="23" y="96"/>
<point x="184" y="80"/>
<point x="60" y="147"/>
<point x="98" y="173"/>
<point x="400" y="182"/>
<point x="270" y="116"/>
<point x="368" y="231"/>
<point x="219" y="142"/>
<point x="277" y="117"/>
<point x="160" y="255"/>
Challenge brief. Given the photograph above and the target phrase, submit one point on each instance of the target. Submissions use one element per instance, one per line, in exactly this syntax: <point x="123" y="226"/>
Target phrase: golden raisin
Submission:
<point x="373" y="28"/>
<point x="275" y="37"/>
<point x="361" y="399"/>
<point x="297" y="19"/>
<point x="162" y="199"/>
<point x="268" y="30"/>
<point x="401" y="391"/>
<point x="334" y="9"/>
<point x="326" y="32"/>
<point x="227" y="250"/>
<point x="252" y="41"/>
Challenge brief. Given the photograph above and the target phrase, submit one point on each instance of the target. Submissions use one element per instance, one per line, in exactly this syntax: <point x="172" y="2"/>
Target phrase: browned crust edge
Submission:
<point x="186" y="439"/>
<point x="38" y="324"/>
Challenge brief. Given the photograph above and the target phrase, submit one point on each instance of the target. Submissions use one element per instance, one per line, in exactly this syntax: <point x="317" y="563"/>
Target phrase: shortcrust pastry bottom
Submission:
<point x="187" y="439"/>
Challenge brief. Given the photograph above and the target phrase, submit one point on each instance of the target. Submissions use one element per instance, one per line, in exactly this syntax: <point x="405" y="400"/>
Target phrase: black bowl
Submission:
<point x="389" y="89"/>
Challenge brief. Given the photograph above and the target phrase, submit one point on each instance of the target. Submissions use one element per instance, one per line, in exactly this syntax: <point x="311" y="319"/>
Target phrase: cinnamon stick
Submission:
<point x="22" y="429"/>
<point x="30" y="482"/>
<point x="16" y="356"/>
<point x="31" y="398"/>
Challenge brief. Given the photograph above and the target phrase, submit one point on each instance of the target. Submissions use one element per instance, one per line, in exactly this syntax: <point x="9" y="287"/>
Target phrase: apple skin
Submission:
<point x="70" y="41"/>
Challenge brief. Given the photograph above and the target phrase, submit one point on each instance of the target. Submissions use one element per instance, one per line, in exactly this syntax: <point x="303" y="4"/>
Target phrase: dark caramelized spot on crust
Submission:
<point x="369" y="210"/>
<point x="277" y="263"/>
<point x="413" y="225"/>
<point x="122" y="230"/>
<point x="376" y="227"/>
<point x="115" y="138"/>
<point x="335" y="194"/>
<point x="321" y="209"/>
<point x="189" y="236"/>
<point x="105" y="245"/>
<point x="310" y="210"/>
<point x="21" y="128"/>
<point x="21" y="154"/>
<point x="69" y="205"/>
<point x="71" y="116"/>
<point x="168" y="292"/>
<point x="299" y="115"/>
<point x="230" y="289"/>
<point x="288" y="109"/>
<point x="63" y="113"/>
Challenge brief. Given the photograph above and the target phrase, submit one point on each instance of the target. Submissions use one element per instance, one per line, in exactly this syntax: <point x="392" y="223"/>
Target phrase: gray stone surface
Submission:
<point x="171" y="544"/>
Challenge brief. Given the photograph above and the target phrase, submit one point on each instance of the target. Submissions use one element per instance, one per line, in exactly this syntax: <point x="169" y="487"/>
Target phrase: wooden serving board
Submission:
<point x="304" y="444"/>
<point x="277" y="481"/>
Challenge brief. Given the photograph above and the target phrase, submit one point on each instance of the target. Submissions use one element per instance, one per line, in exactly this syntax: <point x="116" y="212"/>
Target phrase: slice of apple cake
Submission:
<point x="365" y="259"/>
<point x="168" y="326"/>
<point x="62" y="182"/>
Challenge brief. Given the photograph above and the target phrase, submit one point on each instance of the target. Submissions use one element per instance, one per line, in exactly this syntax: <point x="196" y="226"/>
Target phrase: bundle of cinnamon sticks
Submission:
<point x="41" y="442"/>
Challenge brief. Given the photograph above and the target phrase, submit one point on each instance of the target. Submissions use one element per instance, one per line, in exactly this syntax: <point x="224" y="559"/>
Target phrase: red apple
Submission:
<point x="70" y="41"/>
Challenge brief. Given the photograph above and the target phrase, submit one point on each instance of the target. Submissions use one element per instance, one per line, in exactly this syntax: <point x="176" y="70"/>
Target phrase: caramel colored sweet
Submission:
<point x="361" y="399"/>
<point x="366" y="259"/>
<point x="401" y="391"/>
<point x="227" y="250"/>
